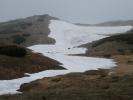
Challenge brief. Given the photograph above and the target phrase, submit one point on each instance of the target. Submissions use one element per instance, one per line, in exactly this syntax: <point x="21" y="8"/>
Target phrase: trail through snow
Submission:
<point x="68" y="37"/>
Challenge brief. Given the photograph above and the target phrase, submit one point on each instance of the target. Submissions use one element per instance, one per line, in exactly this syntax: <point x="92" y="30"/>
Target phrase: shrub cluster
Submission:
<point x="127" y="38"/>
<point x="18" y="39"/>
<point x="12" y="50"/>
<point x="26" y="35"/>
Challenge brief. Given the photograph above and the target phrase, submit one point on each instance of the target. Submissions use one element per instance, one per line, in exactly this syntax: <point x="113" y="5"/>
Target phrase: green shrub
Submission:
<point x="13" y="51"/>
<point x="26" y="35"/>
<point x="121" y="51"/>
<point x="107" y="56"/>
<point x="18" y="39"/>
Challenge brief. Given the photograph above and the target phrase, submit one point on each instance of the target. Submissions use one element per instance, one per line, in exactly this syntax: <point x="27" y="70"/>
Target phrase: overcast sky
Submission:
<point x="79" y="11"/>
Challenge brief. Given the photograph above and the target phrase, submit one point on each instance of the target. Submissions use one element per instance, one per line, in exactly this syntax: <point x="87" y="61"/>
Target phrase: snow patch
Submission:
<point x="70" y="35"/>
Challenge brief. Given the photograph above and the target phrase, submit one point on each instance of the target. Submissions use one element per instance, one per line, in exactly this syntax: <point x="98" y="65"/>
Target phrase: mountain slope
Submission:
<point x="116" y="23"/>
<point x="115" y="83"/>
<point x="91" y="85"/>
<point x="15" y="61"/>
<point x="29" y="31"/>
<point x="118" y="47"/>
<point x="115" y="45"/>
<point x="67" y="38"/>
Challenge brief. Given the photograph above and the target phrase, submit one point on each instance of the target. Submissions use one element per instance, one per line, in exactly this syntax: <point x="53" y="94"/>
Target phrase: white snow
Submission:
<point x="67" y="34"/>
<point x="67" y="37"/>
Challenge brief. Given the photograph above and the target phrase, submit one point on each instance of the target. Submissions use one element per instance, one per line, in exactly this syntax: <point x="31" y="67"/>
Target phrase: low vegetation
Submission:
<point x="18" y="39"/>
<point x="28" y="31"/>
<point x="13" y="26"/>
<point x="16" y="60"/>
<point x="102" y="84"/>
<point x="77" y="86"/>
<point x="127" y="38"/>
<point x="121" y="44"/>
<point x="13" y="51"/>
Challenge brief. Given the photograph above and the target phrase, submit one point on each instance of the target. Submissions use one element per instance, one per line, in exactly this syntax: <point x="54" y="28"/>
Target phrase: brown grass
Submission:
<point x="14" y="67"/>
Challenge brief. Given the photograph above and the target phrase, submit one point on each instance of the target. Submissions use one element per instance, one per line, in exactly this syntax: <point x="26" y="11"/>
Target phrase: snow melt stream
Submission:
<point x="68" y="37"/>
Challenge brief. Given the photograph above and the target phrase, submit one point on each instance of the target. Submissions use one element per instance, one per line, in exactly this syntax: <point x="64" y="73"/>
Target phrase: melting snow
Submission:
<point x="67" y="37"/>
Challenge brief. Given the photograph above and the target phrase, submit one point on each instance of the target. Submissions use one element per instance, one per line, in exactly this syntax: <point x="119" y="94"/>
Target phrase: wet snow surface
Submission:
<point x="67" y="37"/>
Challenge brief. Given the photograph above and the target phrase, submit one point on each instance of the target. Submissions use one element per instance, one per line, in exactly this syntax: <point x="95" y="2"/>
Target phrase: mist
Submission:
<point x="74" y="11"/>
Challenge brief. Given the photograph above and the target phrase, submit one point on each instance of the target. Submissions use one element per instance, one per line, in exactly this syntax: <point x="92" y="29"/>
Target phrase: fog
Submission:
<point x="75" y="11"/>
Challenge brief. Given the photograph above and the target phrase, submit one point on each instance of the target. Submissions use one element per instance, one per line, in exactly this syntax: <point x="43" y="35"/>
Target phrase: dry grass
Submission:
<point x="78" y="86"/>
<point x="16" y="66"/>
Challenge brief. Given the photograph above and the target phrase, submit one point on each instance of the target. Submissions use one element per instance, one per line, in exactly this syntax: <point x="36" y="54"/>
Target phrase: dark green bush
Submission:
<point x="107" y="56"/>
<point x="18" y="39"/>
<point x="13" y="51"/>
<point x="26" y="35"/>
<point x="120" y="50"/>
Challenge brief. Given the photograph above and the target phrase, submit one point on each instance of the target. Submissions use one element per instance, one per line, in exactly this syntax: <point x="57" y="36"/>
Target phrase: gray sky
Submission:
<point x="79" y="11"/>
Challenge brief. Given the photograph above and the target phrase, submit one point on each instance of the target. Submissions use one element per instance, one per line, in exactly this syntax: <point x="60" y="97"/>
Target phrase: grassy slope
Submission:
<point x="30" y="63"/>
<point x="92" y="85"/>
<point x="113" y="84"/>
<point x="24" y="32"/>
<point x="116" y="23"/>
<point x="32" y="30"/>
<point x="121" y="44"/>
